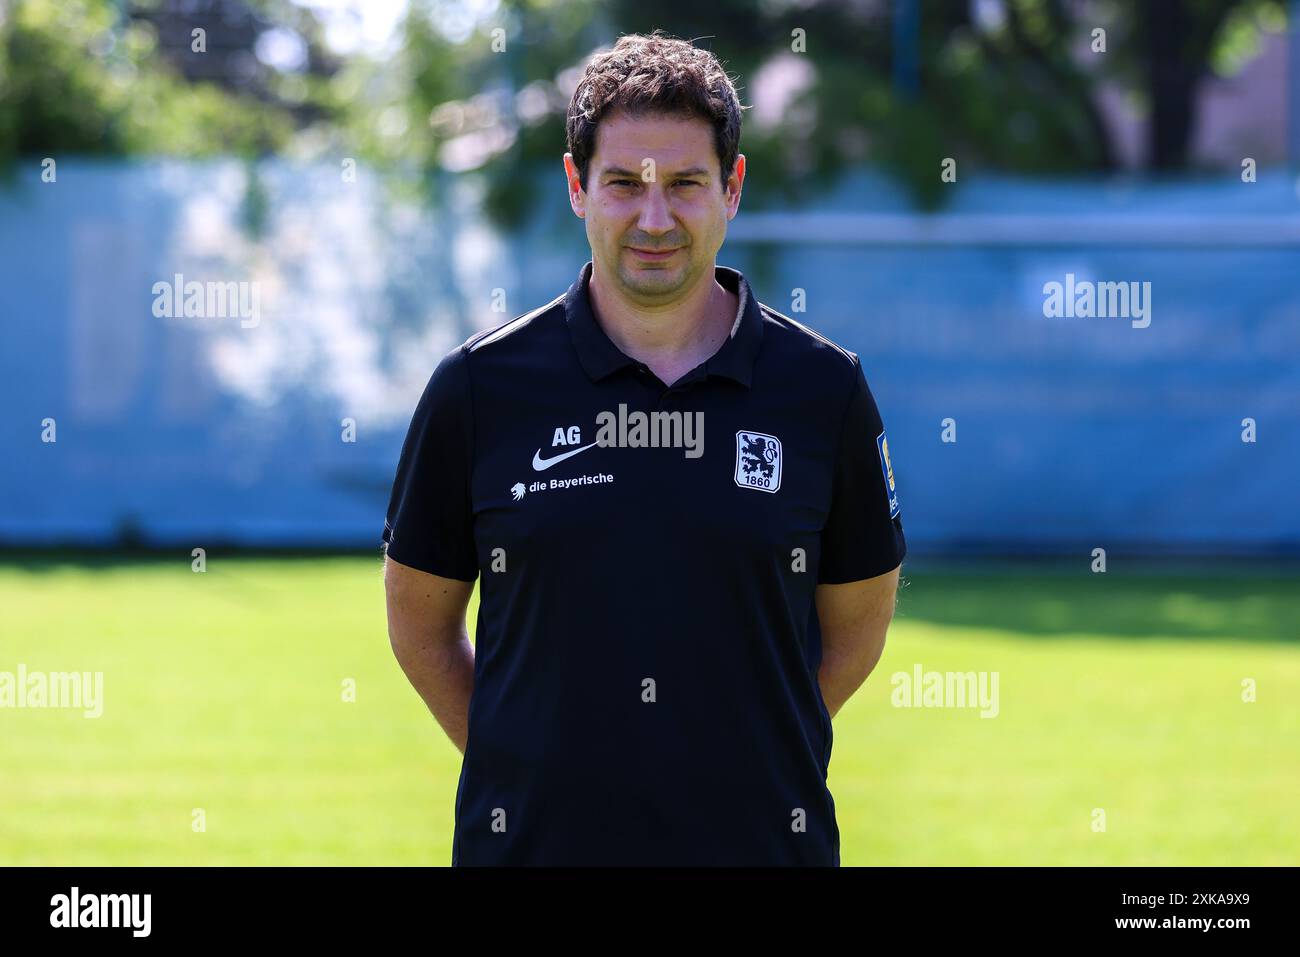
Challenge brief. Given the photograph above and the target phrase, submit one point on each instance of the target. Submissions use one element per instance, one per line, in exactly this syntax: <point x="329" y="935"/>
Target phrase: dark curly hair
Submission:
<point x="654" y="73"/>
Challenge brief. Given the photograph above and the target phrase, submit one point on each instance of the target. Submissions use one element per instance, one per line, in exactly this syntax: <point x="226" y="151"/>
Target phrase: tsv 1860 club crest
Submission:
<point x="758" y="461"/>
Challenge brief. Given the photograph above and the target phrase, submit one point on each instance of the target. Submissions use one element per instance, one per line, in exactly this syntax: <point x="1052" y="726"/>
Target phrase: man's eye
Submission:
<point x="632" y="182"/>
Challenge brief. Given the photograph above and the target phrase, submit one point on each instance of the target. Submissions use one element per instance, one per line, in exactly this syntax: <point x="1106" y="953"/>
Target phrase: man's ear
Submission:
<point x="573" y="185"/>
<point x="739" y="176"/>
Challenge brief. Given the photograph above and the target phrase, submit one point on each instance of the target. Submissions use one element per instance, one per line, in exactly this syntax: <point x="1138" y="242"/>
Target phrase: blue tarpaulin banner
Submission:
<point x="271" y="409"/>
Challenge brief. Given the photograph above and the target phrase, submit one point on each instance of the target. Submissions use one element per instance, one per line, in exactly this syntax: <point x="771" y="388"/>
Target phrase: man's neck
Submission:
<point x="674" y="338"/>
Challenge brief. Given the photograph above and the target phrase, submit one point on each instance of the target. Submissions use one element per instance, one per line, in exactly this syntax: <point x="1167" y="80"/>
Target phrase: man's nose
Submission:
<point x="656" y="217"/>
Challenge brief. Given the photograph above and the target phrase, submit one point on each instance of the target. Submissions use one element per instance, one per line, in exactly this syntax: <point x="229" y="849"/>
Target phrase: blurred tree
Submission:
<point x="1180" y="43"/>
<point x="86" y="77"/>
<point x="1013" y="84"/>
<point x="1005" y="84"/>
<point x="262" y="49"/>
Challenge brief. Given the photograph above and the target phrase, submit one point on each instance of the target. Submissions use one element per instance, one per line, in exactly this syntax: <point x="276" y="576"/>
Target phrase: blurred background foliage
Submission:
<point x="453" y="87"/>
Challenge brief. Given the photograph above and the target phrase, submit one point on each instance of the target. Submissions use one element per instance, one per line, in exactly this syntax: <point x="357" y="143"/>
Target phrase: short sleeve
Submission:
<point x="863" y="535"/>
<point x="430" y="521"/>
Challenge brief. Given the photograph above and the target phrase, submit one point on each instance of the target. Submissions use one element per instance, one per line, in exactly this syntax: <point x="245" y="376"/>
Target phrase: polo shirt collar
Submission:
<point x="600" y="357"/>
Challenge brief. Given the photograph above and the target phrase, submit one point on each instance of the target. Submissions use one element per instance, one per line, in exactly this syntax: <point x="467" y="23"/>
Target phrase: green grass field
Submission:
<point x="223" y="691"/>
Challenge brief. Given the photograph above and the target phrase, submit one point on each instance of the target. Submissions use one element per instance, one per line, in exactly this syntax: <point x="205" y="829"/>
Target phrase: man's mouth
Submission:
<point x="653" y="255"/>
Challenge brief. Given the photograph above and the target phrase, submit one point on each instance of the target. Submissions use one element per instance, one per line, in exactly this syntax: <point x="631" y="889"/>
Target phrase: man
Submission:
<point x="681" y="505"/>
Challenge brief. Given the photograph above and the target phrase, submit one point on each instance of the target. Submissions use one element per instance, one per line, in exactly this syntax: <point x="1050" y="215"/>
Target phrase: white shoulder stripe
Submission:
<point x="811" y="332"/>
<point x="515" y="324"/>
<point x="740" y="312"/>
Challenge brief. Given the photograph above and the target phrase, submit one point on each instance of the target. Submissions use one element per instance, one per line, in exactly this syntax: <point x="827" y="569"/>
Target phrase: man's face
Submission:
<point x="655" y="206"/>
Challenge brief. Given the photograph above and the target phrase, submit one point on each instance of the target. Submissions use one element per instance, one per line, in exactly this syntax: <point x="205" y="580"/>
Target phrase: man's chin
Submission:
<point x="654" y="281"/>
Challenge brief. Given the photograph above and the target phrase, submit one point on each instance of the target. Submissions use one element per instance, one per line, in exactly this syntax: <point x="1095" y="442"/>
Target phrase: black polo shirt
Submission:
<point x="647" y="648"/>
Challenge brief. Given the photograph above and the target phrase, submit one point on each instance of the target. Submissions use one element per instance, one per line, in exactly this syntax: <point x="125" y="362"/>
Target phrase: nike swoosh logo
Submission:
<point x="539" y="463"/>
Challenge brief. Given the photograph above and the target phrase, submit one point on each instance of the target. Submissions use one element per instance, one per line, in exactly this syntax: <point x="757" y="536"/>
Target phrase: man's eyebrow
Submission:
<point x="620" y="171"/>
